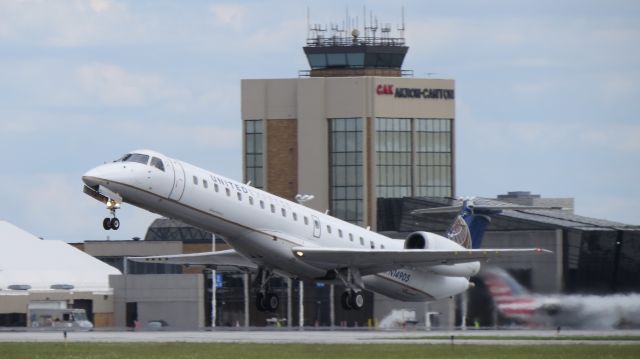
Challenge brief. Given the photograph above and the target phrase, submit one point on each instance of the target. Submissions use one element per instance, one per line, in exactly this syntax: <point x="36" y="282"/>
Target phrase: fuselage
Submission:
<point x="261" y="226"/>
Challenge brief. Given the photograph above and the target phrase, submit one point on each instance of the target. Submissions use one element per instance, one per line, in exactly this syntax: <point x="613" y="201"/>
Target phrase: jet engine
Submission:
<point x="425" y="240"/>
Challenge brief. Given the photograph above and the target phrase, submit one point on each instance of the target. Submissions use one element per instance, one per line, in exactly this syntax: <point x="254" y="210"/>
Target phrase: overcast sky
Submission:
<point x="547" y="94"/>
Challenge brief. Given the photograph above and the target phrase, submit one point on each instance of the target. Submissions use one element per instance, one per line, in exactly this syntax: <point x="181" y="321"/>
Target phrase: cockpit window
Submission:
<point x="135" y="157"/>
<point x="157" y="163"/>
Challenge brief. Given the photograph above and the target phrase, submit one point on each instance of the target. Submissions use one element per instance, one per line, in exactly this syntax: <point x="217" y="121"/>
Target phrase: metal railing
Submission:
<point x="355" y="41"/>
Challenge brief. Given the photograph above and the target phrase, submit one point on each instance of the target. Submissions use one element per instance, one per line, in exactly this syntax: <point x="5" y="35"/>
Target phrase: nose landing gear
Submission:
<point x="113" y="222"/>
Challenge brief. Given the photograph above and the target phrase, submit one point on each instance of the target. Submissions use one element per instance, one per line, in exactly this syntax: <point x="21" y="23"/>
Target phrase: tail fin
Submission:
<point x="510" y="297"/>
<point x="459" y="232"/>
<point x="477" y="225"/>
<point x="468" y="228"/>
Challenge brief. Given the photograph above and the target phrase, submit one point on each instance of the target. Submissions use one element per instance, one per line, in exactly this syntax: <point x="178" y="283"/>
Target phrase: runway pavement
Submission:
<point x="538" y="337"/>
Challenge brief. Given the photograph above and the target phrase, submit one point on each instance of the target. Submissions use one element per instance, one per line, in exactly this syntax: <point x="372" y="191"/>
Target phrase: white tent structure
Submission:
<point x="30" y="263"/>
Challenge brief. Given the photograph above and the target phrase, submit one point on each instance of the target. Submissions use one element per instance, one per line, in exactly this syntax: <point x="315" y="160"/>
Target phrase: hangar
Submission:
<point x="37" y="273"/>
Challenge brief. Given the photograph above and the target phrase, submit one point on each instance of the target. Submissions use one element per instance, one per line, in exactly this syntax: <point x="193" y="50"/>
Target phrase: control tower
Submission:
<point x="352" y="128"/>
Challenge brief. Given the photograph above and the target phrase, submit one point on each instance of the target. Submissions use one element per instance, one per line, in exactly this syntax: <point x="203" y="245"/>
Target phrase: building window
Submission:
<point x="433" y="157"/>
<point x="253" y="153"/>
<point x="393" y="155"/>
<point x="345" y="168"/>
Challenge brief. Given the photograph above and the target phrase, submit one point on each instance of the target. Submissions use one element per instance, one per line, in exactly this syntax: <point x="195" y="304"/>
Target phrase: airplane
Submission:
<point x="520" y="306"/>
<point x="274" y="236"/>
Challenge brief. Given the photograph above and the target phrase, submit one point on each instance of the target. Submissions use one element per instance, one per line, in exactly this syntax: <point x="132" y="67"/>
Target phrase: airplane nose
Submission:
<point x="93" y="177"/>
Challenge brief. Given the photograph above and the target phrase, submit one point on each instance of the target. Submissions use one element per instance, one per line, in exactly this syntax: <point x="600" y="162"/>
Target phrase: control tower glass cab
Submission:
<point x="356" y="55"/>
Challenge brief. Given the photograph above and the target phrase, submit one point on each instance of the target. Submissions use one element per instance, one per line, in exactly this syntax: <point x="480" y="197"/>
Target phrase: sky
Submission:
<point x="547" y="94"/>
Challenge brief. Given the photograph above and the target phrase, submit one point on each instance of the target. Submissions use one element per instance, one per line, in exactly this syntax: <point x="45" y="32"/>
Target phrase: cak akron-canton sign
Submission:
<point x="408" y="92"/>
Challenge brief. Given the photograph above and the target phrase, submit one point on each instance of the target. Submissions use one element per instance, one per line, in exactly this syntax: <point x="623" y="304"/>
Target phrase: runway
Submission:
<point x="473" y="337"/>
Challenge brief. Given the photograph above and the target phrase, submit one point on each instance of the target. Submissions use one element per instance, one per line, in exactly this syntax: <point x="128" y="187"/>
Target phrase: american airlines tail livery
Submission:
<point x="274" y="236"/>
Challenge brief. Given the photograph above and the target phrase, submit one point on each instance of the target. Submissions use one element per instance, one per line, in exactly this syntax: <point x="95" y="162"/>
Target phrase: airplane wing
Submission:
<point x="226" y="258"/>
<point x="370" y="261"/>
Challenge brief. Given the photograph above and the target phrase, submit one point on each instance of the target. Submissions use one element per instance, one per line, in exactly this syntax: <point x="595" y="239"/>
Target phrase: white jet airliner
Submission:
<point x="274" y="236"/>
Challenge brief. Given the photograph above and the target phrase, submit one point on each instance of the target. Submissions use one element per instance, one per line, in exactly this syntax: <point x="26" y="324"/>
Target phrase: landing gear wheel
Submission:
<point x="356" y="300"/>
<point x="114" y="223"/>
<point x="345" y="299"/>
<point x="106" y="223"/>
<point x="271" y="302"/>
<point x="260" y="302"/>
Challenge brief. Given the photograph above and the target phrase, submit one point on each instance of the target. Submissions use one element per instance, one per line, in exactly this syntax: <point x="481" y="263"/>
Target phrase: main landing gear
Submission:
<point x="266" y="300"/>
<point x="113" y="222"/>
<point x="352" y="298"/>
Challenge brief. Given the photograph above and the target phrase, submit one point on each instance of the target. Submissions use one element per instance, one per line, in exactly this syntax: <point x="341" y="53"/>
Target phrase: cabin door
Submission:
<point x="316" y="226"/>
<point x="178" y="183"/>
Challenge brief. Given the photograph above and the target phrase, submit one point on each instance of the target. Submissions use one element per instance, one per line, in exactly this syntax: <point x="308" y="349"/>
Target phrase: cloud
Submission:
<point x="113" y="86"/>
<point x="194" y="136"/>
<point x="228" y="14"/>
<point x="550" y="134"/>
<point x="64" y="23"/>
<point x="52" y="205"/>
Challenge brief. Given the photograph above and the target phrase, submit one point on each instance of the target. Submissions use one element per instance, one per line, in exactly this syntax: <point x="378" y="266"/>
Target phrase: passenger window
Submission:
<point x="340" y="233"/>
<point x="273" y="209"/>
<point x="251" y="200"/>
<point x="306" y="220"/>
<point x="382" y="246"/>
<point x="373" y="245"/>
<point x="328" y="229"/>
<point x="228" y="192"/>
<point x="262" y="204"/>
<point x="361" y="241"/>
<point x="294" y="215"/>
<point x="195" y="180"/>
<point x="157" y="163"/>
<point x="351" y="237"/>
<point x="284" y="212"/>
<point x="239" y="196"/>
<point x="215" y="187"/>
<point x="205" y="184"/>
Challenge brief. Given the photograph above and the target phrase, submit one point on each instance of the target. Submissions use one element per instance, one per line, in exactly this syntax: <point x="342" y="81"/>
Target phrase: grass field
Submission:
<point x="294" y="351"/>
<point x="522" y="337"/>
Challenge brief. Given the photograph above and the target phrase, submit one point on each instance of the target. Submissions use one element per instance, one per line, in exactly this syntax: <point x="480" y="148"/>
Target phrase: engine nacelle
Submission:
<point x="426" y="240"/>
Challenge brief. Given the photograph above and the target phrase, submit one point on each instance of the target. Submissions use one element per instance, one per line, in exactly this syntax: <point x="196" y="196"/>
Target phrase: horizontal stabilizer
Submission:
<point x="455" y="209"/>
